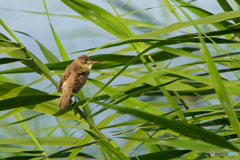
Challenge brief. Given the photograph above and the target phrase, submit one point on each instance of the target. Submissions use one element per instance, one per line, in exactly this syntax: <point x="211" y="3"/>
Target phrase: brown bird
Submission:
<point x="73" y="78"/>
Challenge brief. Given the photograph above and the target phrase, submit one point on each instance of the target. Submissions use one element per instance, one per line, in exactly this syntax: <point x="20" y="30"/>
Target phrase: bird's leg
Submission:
<point x="74" y="102"/>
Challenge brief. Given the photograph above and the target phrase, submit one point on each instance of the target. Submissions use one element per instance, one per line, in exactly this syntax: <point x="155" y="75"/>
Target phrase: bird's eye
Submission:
<point x="85" y="62"/>
<point x="81" y="57"/>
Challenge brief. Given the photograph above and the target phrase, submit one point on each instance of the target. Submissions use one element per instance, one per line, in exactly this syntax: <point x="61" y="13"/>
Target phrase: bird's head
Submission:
<point x="86" y="62"/>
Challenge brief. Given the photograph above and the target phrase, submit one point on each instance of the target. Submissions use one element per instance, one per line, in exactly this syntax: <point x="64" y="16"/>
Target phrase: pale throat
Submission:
<point x="89" y="66"/>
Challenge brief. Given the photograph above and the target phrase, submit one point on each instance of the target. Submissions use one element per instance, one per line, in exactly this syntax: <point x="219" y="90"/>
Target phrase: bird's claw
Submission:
<point x="73" y="103"/>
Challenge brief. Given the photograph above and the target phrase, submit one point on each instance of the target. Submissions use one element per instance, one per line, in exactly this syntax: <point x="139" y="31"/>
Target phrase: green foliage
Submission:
<point x="180" y="98"/>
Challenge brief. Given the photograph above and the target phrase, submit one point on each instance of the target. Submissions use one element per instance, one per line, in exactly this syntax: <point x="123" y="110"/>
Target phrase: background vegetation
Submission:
<point x="167" y="86"/>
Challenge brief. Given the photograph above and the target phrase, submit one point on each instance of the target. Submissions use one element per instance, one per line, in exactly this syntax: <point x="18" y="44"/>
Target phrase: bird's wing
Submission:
<point x="65" y="76"/>
<point x="80" y="80"/>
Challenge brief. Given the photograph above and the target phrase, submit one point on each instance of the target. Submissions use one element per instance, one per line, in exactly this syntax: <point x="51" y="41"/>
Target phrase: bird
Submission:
<point x="73" y="78"/>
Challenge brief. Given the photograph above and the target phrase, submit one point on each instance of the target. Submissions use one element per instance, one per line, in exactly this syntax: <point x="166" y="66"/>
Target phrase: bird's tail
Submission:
<point x="63" y="103"/>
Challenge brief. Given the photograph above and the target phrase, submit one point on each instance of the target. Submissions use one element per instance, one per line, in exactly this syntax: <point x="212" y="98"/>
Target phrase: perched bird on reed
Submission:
<point x="73" y="78"/>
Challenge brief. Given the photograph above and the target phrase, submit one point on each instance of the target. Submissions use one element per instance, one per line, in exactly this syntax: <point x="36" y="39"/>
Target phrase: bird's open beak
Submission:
<point x="94" y="62"/>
